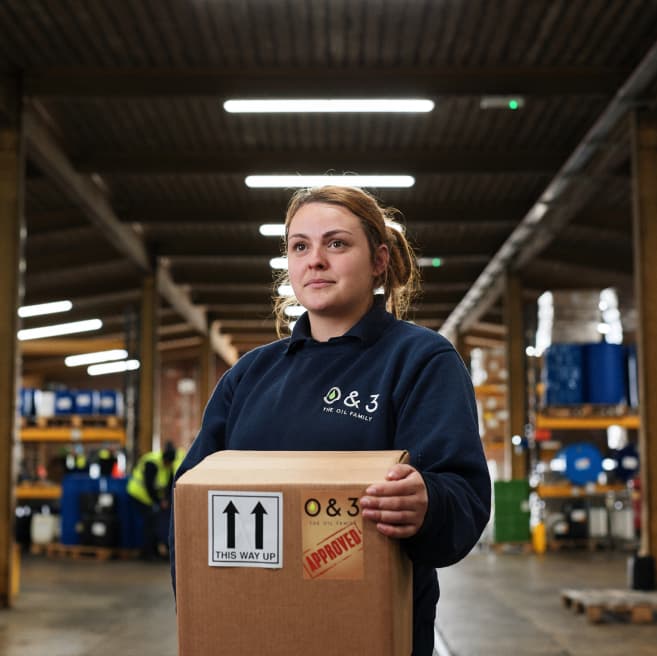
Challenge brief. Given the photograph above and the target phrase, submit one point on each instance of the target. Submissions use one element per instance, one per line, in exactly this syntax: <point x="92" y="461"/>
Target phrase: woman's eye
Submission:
<point x="298" y="247"/>
<point x="336" y="243"/>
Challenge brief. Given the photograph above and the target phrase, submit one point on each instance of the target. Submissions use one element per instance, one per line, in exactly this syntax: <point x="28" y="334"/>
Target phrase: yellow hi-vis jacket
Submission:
<point x="177" y="461"/>
<point x="136" y="485"/>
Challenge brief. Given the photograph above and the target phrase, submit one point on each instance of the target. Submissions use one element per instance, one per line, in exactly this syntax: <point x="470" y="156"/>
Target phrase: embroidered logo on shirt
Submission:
<point x="352" y="403"/>
<point x="333" y="395"/>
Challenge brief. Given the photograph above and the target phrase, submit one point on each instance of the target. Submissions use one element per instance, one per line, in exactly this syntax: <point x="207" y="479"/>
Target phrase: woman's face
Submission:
<point x="330" y="263"/>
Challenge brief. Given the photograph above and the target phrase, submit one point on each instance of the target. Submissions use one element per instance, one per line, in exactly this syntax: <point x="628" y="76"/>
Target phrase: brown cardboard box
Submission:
<point x="273" y="558"/>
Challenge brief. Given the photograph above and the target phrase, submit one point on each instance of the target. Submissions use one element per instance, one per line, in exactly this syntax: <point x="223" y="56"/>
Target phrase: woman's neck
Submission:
<point x="323" y="327"/>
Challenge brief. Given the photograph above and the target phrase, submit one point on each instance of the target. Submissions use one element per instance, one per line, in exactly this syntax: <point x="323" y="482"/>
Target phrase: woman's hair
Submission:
<point x="400" y="280"/>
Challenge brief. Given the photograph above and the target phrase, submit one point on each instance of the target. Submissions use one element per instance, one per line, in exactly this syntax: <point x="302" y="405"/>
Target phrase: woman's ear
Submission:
<point x="381" y="259"/>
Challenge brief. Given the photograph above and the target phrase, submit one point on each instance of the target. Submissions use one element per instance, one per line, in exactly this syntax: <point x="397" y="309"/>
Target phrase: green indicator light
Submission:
<point x="513" y="104"/>
<point x="436" y="262"/>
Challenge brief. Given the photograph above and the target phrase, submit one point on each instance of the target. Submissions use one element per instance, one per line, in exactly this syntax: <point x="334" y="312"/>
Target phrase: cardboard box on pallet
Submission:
<point x="273" y="557"/>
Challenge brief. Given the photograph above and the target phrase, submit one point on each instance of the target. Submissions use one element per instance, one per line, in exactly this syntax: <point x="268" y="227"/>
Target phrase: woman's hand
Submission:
<point x="398" y="505"/>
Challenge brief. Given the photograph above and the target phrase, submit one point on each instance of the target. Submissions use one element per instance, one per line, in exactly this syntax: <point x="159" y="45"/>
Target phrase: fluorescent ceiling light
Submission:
<point x="93" y="358"/>
<point x="502" y="102"/>
<point x="272" y="229"/>
<point x="294" y="310"/>
<point x="329" y="105"/>
<point x="44" y="308"/>
<point x="285" y="290"/>
<point x="278" y="229"/>
<point x="60" y="329"/>
<point x="293" y="180"/>
<point x="278" y="263"/>
<point x="395" y="226"/>
<point x="434" y="262"/>
<point x="112" y="367"/>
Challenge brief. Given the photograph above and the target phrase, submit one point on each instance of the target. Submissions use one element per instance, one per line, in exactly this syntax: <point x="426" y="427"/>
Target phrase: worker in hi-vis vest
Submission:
<point x="150" y="487"/>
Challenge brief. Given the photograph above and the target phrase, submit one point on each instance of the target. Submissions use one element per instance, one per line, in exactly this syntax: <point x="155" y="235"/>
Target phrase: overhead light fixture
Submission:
<point x="502" y="102"/>
<point x="287" y="181"/>
<point x="60" y="329"/>
<point x="272" y="229"/>
<point x="278" y="229"/>
<point x="93" y="358"/>
<point x="44" y="308"/>
<point x="396" y="226"/>
<point x="285" y="290"/>
<point x="294" y="310"/>
<point x="278" y="263"/>
<point x="434" y="262"/>
<point x="112" y="367"/>
<point x="329" y="105"/>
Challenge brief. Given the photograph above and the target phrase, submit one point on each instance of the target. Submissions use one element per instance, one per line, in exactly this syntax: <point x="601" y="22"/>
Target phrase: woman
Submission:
<point x="397" y="386"/>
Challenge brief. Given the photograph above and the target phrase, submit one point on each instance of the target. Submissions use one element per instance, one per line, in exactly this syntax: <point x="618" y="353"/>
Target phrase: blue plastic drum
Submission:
<point x="627" y="462"/>
<point x="605" y="373"/>
<point x="583" y="463"/>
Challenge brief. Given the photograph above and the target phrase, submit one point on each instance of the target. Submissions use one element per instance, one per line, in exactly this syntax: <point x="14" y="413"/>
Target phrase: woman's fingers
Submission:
<point x="399" y="504"/>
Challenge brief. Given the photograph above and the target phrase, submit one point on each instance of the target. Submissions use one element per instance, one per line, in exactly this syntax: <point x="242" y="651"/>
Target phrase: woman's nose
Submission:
<point x="317" y="259"/>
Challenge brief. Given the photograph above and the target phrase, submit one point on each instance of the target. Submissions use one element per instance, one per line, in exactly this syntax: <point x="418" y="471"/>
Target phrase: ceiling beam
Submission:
<point x="577" y="274"/>
<point x="476" y="341"/>
<point x="420" y="162"/>
<point x="69" y="346"/>
<point x="549" y="214"/>
<point x="271" y="212"/>
<point x="221" y="344"/>
<point x="279" y="82"/>
<point x="249" y="228"/>
<point x="51" y="159"/>
<point x="179" y="299"/>
<point x="489" y="329"/>
<point x="9" y="98"/>
<point x="111" y="299"/>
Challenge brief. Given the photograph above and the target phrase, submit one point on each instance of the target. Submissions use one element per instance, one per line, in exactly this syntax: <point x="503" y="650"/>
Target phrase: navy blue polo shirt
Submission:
<point x="385" y="384"/>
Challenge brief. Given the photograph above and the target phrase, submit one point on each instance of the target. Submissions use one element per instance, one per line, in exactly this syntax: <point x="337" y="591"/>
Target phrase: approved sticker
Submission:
<point x="332" y="534"/>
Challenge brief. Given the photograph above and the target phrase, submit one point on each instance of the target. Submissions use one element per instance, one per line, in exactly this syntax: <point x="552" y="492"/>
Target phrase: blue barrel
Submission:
<point x="627" y="462"/>
<point x="26" y="402"/>
<point x="606" y="381"/>
<point x="108" y="403"/>
<point x="87" y="402"/>
<point x="563" y="374"/>
<point x="632" y="376"/>
<point x="64" y="402"/>
<point x="583" y="463"/>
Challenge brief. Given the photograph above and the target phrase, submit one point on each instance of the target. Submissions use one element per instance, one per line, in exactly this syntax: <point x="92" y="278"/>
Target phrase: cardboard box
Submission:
<point x="273" y="558"/>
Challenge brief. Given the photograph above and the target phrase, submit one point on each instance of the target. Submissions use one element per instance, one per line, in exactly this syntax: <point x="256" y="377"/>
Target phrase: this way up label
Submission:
<point x="245" y="529"/>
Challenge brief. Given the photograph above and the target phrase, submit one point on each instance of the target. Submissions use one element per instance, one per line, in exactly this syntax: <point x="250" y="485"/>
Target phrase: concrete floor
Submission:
<point x="509" y="605"/>
<point x="492" y="605"/>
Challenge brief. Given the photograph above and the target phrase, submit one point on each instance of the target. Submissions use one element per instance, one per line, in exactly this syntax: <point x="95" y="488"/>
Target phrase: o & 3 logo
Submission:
<point x="352" y="399"/>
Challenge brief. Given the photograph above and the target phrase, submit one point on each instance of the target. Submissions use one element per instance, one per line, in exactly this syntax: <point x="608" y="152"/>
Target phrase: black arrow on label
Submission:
<point x="230" y="512"/>
<point x="259" y="512"/>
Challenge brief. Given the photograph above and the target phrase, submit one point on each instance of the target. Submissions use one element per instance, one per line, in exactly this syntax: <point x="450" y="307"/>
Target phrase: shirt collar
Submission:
<point x="368" y="329"/>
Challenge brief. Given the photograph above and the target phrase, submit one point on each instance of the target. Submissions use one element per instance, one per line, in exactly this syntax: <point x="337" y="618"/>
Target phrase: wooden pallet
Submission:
<point x="604" y="605"/>
<point x="74" y="421"/>
<point x="573" y="544"/>
<point x="83" y="552"/>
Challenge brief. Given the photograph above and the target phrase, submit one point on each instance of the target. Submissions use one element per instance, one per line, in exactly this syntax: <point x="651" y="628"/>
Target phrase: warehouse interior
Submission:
<point x="125" y="189"/>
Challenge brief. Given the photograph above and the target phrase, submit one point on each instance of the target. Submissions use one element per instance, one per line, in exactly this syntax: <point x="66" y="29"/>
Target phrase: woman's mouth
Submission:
<point x="318" y="283"/>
